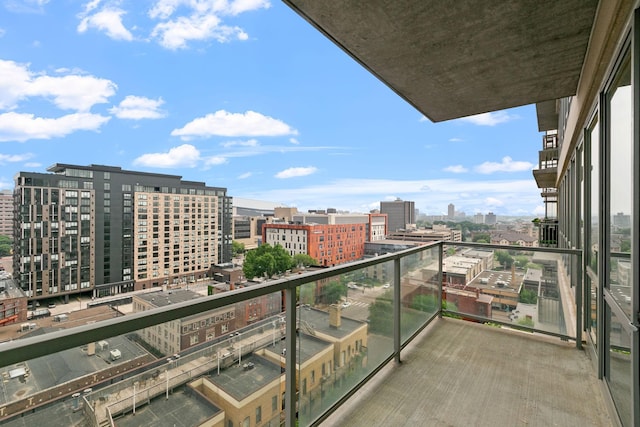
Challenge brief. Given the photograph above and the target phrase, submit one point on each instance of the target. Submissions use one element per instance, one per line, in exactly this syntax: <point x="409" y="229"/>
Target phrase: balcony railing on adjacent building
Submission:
<point x="338" y="328"/>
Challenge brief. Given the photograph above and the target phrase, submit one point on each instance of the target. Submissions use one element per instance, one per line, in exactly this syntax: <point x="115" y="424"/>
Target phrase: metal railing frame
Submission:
<point x="32" y="347"/>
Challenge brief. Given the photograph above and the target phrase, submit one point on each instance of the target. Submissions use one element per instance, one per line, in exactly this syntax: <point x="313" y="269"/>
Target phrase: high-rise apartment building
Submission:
<point x="451" y="211"/>
<point x="490" y="218"/>
<point x="6" y="213"/>
<point x="399" y="213"/>
<point x="103" y="230"/>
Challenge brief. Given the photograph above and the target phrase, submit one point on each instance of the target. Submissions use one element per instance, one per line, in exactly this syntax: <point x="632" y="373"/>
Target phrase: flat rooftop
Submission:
<point x="180" y="410"/>
<point x="240" y="382"/>
<point x="319" y="321"/>
<point x="309" y="347"/>
<point x="57" y="368"/>
<point x="458" y="373"/>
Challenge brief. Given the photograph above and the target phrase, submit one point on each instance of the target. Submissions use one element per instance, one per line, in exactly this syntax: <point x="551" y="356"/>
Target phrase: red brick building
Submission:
<point x="341" y="239"/>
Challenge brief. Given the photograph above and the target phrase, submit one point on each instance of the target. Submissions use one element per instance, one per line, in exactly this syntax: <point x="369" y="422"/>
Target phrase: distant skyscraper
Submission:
<point x="490" y="218"/>
<point x="478" y="218"/>
<point x="399" y="214"/>
<point x="451" y="212"/>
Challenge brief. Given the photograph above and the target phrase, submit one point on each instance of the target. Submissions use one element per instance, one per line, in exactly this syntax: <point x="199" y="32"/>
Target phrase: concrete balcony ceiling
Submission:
<point x="545" y="178"/>
<point x="451" y="59"/>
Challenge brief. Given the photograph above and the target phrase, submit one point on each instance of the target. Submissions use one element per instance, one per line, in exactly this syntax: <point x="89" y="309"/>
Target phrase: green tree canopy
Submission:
<point x="381" y="315"/>
<point x="237" y="248"/>
<point x="334" y="291"/>
<point x="5" y="245"/>
<point x="427" y="303"/>
<point x="504" y="258"/>
<point x="528" y="297"/>
<point x="305" y="260"/>
<point x="266" y="260"/>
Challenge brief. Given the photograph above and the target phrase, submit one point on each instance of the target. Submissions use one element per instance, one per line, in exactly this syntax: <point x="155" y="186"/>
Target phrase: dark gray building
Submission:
<point x="102" y="230"/>
<point x="399" y="214"/>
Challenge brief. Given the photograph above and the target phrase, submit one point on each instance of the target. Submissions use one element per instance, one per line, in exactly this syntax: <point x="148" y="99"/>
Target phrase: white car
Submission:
<point x="346" y="304"/>
<point x="386" y="286"/>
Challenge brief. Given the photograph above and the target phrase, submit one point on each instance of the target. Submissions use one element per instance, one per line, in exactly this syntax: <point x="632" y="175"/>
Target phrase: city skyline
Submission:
<point x="221" y="94"/>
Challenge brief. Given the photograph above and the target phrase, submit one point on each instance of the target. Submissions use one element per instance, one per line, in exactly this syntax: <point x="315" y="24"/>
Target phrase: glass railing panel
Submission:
<point x="419" y="290"/>
<point x="513" y="286"/>
<point x="619" y="370"/>
<point x="209" y="360"/>
<point x="620" y="280"/>
<point x="345" y="331"/>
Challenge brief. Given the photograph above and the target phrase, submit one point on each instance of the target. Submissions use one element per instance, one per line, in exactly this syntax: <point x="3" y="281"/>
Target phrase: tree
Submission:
<point x="237" y="248"/>
<point x="481" y="237"/>
<point x="528" y="297"/>
<point x="504" y="259"/>
<point x="381" y="315"/>
<point x="521" y="261"/>
<point x="427" y="303"/>
<point x="334" y="291"/>
<point x="305" y="260"/>
<point x="5" y="245"/>
<point x="266" y="260"/>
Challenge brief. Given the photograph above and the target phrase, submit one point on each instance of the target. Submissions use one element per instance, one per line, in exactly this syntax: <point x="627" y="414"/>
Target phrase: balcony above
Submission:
<point x="442" y="57"/>
<point x="546" y="178"/>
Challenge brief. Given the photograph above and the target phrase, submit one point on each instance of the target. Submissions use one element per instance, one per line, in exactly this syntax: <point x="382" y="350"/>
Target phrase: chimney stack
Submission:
<point x="334" y="316"/>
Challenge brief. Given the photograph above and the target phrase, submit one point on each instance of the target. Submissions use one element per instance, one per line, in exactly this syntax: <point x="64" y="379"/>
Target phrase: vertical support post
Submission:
<point x="134" y="397"/>
<point x="579" y="305"/>
<point x="396" y="310"/>
<point x="440" y="260"/>
<point x="290" y="358"/>
<point x="166" y="373"/>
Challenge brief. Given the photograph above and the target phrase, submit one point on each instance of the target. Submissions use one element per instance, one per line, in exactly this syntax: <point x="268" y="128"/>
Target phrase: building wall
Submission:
<point x="6" y="213"/>
<point x="175" y="239"/>
<point x="235" y="411"/>
<point x="327" y="244"/>
<point x="78" y="229"/>
<point x="399" y="213"/>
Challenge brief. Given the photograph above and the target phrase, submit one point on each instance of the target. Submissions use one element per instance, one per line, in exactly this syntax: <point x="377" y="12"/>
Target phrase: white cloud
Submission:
<point x="2" y="32"/>
<point x="296" y="172"/>
<point x="139" y="107"/>
<point x="294" y="141"/>
<point x="456" y="139"/>
<point x="26" y="6"/>
<point x="73" y="92"/>
<point x="493" y="202"/>
<point x="21" y="127"/>
<point x="32" y="165"/>
<point x="185" y="155"/>
<point x="215" y="160"/>
<point x="203" y="20"/>
<point x="507" y="165"/>
<point x="490" y="119"/>
<point x="223" y="123"/>
<point x="455" y="169"/>
<point x="69" y="92"/>
<point x="539" y="211"/>
<point x="245" y="175"/>
<point x="107" y="20"/>
<point x="164" y="9"/>
<point x="248" y="143"/>
<point x="14" y="158"/>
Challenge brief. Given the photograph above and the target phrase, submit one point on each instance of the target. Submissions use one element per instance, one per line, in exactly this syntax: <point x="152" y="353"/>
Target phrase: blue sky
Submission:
<point x="244" y="95"/>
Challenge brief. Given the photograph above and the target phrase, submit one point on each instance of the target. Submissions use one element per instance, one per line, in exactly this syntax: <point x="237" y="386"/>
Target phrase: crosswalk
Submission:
<point x="358" y="304"/>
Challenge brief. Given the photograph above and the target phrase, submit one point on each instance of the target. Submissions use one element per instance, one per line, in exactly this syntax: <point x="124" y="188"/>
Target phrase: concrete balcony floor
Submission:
<point x="459" y="373"/>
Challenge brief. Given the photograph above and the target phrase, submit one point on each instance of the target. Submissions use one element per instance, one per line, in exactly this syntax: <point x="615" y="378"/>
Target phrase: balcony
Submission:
<point x="487" y="348"/>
